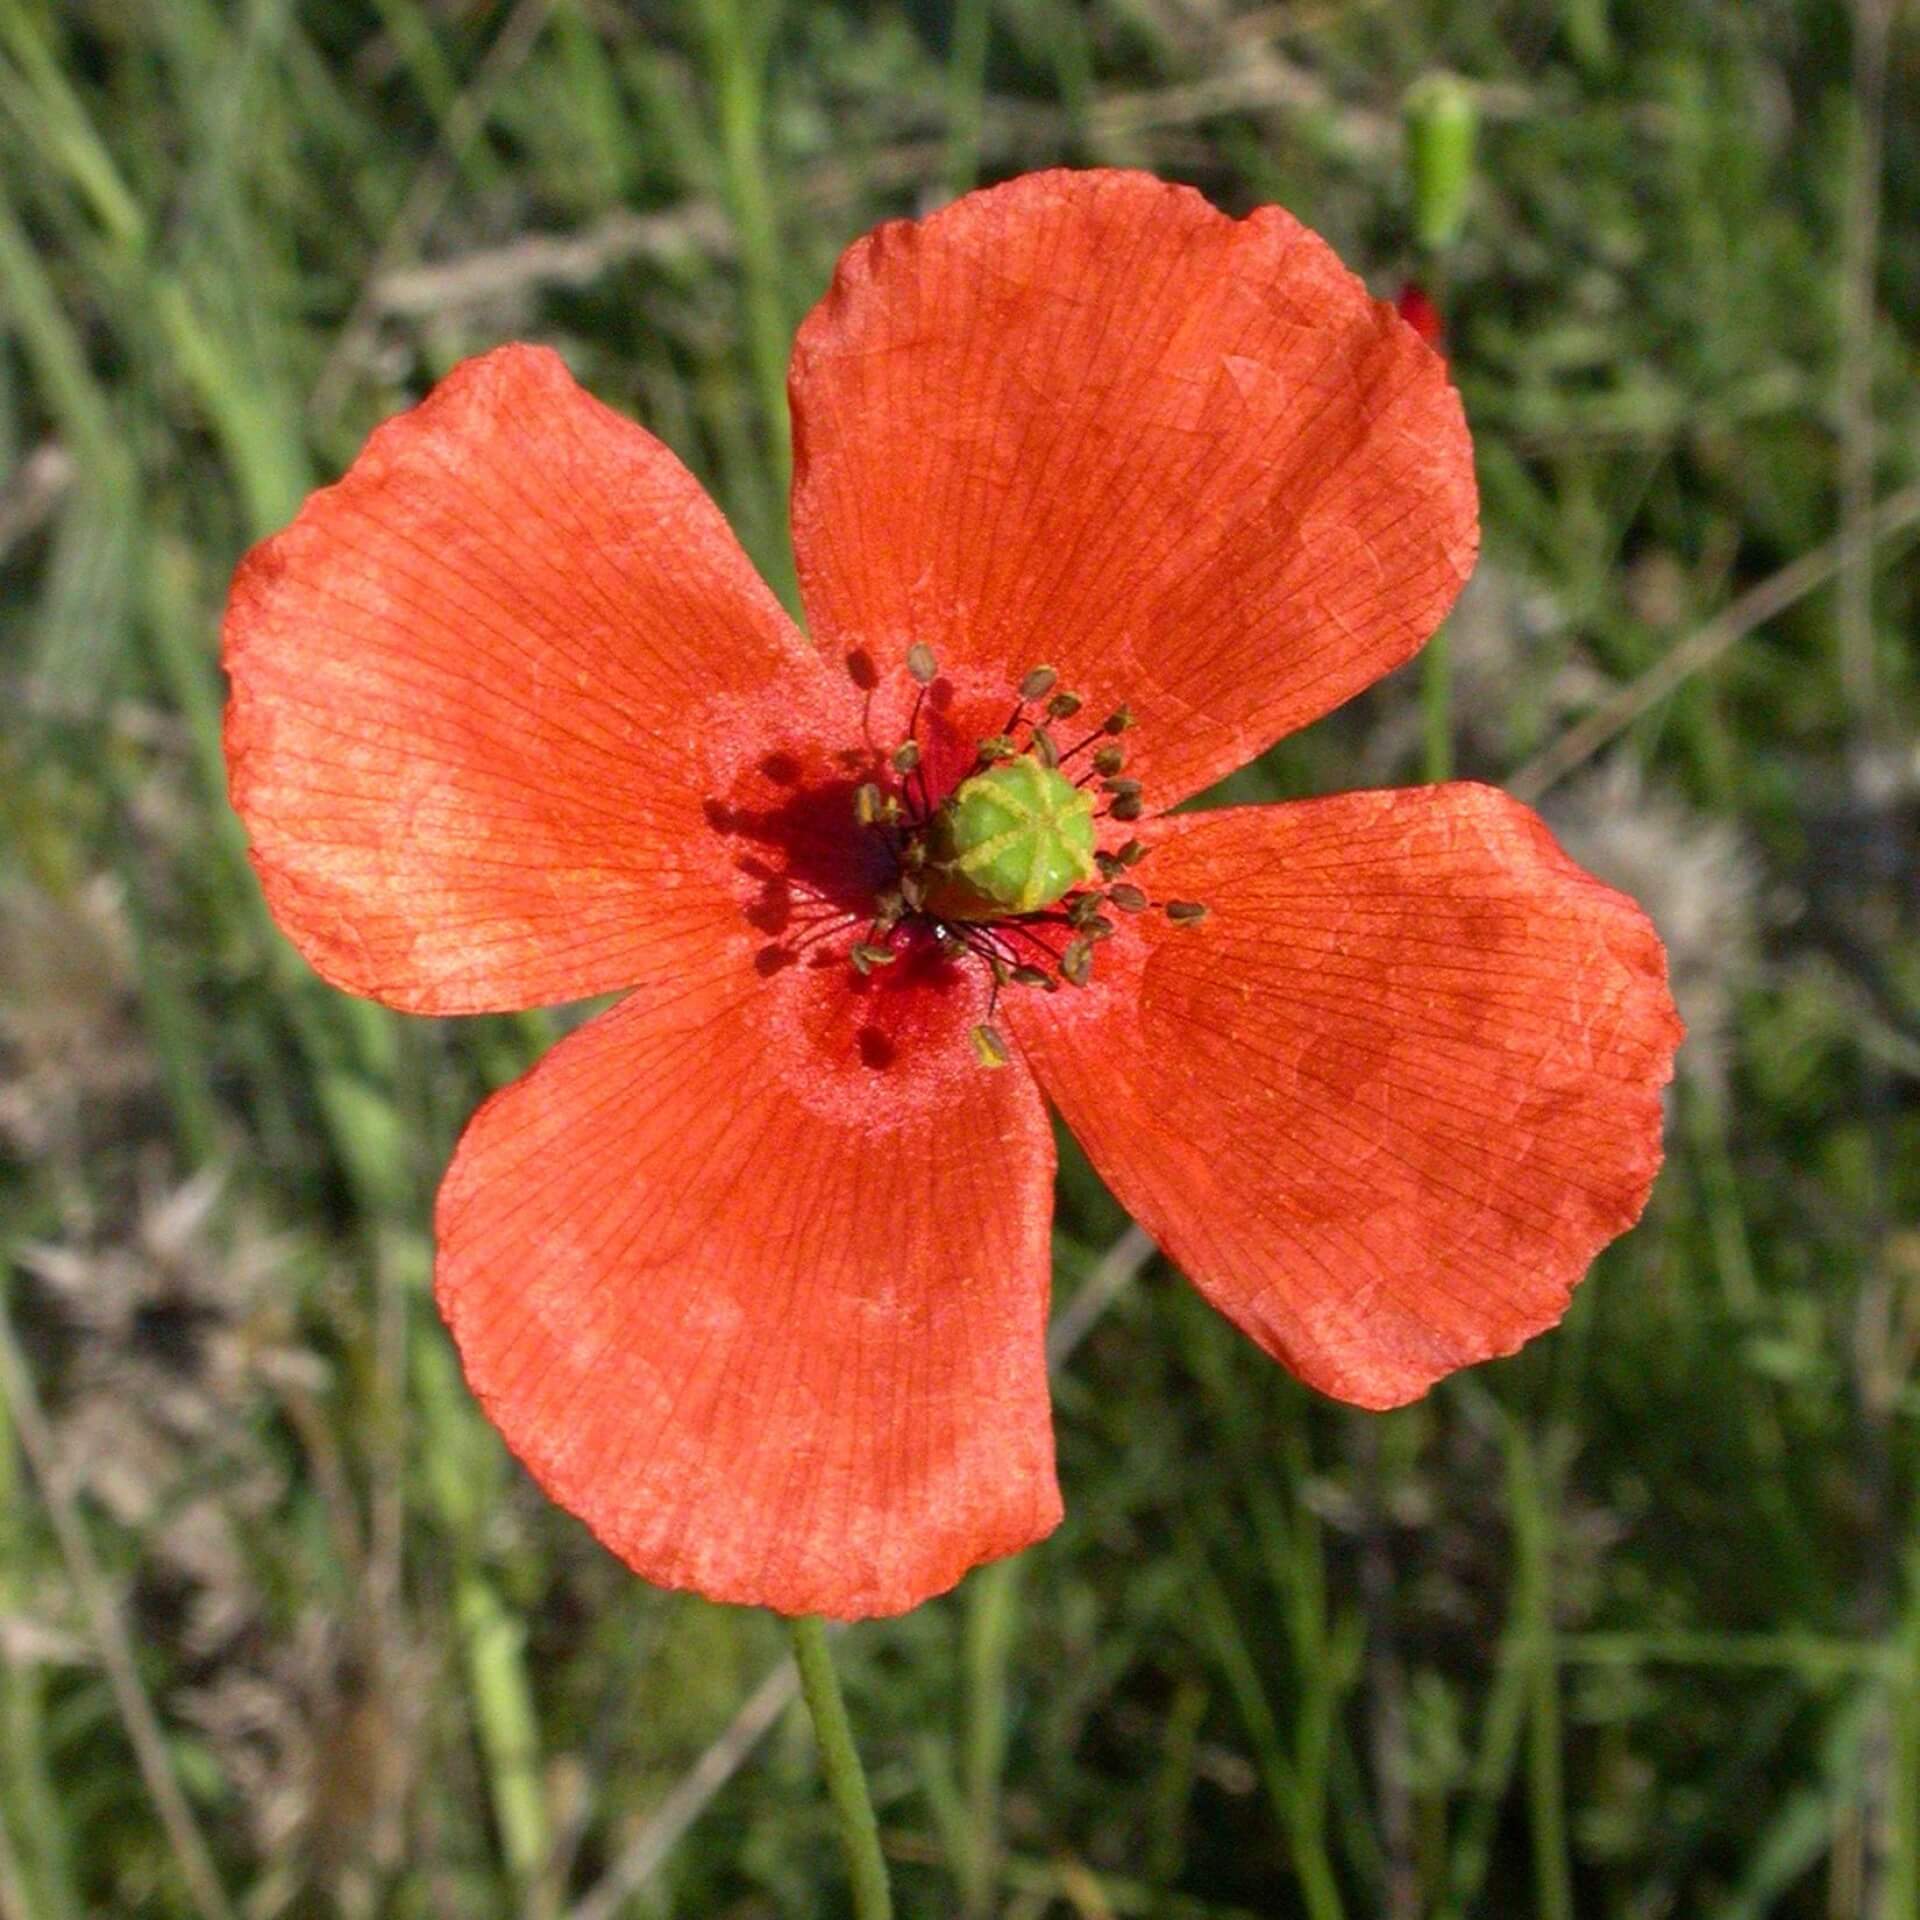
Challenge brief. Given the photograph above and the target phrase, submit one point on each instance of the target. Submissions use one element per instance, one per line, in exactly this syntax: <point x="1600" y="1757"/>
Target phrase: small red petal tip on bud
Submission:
<point x="921" y="663"/>
<point x="1416" y="308"/>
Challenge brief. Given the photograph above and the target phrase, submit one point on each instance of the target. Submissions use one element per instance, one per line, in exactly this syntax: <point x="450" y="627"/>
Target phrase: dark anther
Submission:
<point x="1044" y="749"/>
<point x="1082" y="908"/>
<point x="1127" y="806"/>
<point x="869" y="805"/>
<point x="1129" y="899"/>
<point x="1038" y="684"/>
<point x="906" y="757"/>
<point x="1118" y="721"/>
<point x="1033" y="977"/>
<point x="921" y="663"/>
<point x="996" y="746"/>
<point x="988" y="1047"/>
<point x="1131" y="854"/>
<point x="1185" y="912"/>
<point x="1110" y="864"/>
<point x="1076" y="962"/>
<point x="865" y="957"/>
<point x="1097" y="926"/>
<point x="1121" y="788"/>
<point x="1063" y="706"/>
<point x="1109" y="760"/>
<point x="913" y="890"/>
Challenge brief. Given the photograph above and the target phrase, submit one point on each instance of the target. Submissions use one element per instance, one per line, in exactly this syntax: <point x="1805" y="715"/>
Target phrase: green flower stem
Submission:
<point x="840" y="1761"/>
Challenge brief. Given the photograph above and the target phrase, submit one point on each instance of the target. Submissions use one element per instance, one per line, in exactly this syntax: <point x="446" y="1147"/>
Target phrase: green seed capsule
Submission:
<point x="1013" y="839"/>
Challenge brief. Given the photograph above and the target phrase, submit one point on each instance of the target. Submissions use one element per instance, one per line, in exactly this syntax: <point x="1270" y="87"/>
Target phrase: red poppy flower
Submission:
<point x="751" y="1271"/>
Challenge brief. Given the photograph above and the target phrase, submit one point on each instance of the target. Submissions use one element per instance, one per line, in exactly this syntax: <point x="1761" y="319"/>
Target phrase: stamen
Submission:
<point x="1127" y="806"/>
<point x="905" y="757"/>
<point x="1186" y="913"/>
<point x="921" y="663"/>
<point x="988" y="1047"/>
<point x="1129" y="899"/>
<point x="1076" y="963"/>
<point x="1041" y="746"/>
<point x="1063" y="705"/>
<point x="1109" y="760"/>
<point x="1037" y="685"/>
<point x="866" y="956"/>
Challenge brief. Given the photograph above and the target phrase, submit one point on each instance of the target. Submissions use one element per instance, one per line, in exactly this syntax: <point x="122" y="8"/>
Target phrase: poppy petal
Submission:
<point x="773" y="1338"/>
<point x="1387" y="1101"/>
<point x="1086" y="420"/>
<point x="468" y="684"/>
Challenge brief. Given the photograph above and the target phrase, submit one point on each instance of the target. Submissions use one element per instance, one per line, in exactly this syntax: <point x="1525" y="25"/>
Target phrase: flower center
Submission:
<point x="1007" y="868"/>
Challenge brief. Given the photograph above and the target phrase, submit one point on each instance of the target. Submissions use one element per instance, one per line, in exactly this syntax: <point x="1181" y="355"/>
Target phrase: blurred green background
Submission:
<point x="1629" y="1625"/>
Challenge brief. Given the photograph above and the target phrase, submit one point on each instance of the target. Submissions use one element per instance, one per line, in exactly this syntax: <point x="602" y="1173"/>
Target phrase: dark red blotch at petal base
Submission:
<point x="1389" y="1099"/>
<point x="1085" y="419"/>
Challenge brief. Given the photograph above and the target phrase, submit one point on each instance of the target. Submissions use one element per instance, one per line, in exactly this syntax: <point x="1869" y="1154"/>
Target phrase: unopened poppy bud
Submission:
<point x="906" y="756"/>
<point x="1185" y="913"/>
<point x="988" y="1047"/>
<point x="1038" y="684"/>
<point x="1063" y="706"/>
<point x="1442" y="122"/>
<point x="921" y="664"/>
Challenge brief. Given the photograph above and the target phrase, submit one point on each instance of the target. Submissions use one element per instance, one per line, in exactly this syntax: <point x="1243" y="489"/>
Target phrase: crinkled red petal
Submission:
<point x="1386" y="1103"/>
<point x="470" y="688"/>
<point x="754" y="1279"/>
<point x="1083" y="419"/>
